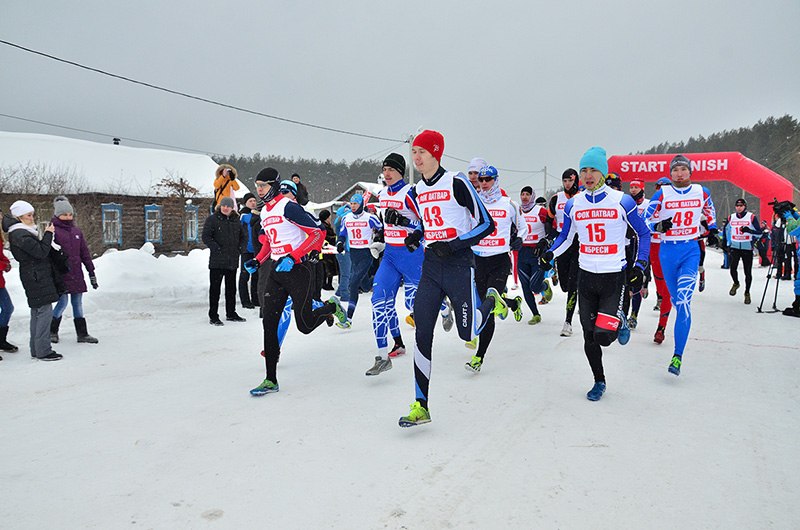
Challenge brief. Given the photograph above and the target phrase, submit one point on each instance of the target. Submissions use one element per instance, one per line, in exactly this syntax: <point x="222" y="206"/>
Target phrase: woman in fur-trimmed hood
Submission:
<point x="225" y="183"/>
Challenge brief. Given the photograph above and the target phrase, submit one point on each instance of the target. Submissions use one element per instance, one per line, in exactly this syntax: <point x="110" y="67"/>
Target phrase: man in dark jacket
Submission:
<point x="249" y="217"/>
<point x="224" y="234"/>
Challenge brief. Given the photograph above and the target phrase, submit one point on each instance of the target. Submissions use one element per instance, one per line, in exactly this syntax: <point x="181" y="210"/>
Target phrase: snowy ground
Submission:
<point x="154" y="426"/>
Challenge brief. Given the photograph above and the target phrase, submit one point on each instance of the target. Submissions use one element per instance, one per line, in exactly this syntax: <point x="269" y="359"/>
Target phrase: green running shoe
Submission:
<point x="266" y="387"/>
<point x="339" y="312"/>
<point x="535" y="320"/>
<point x="472" y="344"/>
<point x="518" y="310"/>
<point x="474" y="365"/>
<point x="500" y="307"/>
<point x="675" y="365"/>
<point x="548" y="291"/>
<point x="417" y="416"/>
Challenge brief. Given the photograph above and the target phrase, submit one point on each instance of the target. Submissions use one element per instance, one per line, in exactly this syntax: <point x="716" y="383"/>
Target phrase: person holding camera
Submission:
<point x="788" y="212"/>
<point x="37" y="274"/>
<point x="225" y="184"/>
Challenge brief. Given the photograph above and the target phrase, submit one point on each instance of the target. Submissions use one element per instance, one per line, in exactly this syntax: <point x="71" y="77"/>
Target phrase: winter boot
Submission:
<point x="4" y="344"/>
<point x="747" y="297"/>
<point x="794" y="309"/>
<point x="734" y="288"/>
<point x="54" y="324"/>
<point x="83" y="335"/>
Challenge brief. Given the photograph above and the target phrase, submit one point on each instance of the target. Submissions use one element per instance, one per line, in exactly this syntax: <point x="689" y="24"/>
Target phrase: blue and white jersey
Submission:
<point x="600" y="219"/>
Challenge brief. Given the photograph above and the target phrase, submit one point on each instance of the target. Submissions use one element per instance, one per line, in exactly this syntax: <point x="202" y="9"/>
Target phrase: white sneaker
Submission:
<point x="380" y="366"/>
<point x="566" y="331"/>
<point x="447" y="315"/>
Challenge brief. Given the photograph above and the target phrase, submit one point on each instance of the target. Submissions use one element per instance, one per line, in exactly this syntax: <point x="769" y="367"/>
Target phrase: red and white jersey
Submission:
<point x="505" y="214"/>
<point x="642" y="207"/>
<point x="359" y="228"/>
<point x="284" y="236"/>
<point x="737" y="224"/>
<point x="534" y="227"/>
<point x="601" y="229"/>
<point x="685" y="209"/>
<point x="561" y="202"/>
<point x="398" y="201"/>
<point x="442" y="217"/>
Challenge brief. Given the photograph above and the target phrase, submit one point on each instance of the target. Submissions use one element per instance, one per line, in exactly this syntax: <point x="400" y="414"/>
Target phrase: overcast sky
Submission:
<point x="524" y="84"/>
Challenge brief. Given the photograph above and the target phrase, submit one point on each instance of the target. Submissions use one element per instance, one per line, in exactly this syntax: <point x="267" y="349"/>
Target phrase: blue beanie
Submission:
<point x="595" y="158"/>
<point x="357" y="198"/>
<point x="288" y="185"/>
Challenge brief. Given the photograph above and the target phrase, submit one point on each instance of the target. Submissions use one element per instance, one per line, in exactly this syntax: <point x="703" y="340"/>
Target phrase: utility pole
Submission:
<point x="544" y="192"/>
<point x="410" y="161"/>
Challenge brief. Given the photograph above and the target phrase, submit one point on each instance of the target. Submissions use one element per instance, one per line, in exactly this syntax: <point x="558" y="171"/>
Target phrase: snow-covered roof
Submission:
<point x="105" y="167"/>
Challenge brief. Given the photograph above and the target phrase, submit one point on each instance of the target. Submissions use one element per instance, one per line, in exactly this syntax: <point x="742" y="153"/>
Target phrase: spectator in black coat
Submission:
<point x="330" y="267"/>
<point x="37" y="274"/>
<point x="302" y="192"/>
<point x="224" y="234"/>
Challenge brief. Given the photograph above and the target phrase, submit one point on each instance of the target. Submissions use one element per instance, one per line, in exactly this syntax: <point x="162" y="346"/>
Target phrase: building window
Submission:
<point x="152" y="223"/>
<point x="112" y="223"/>
<point x="190" y="231"/>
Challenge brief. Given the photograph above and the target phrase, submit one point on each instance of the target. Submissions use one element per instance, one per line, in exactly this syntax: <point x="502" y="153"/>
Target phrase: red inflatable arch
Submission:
<point x="733" y="167"/>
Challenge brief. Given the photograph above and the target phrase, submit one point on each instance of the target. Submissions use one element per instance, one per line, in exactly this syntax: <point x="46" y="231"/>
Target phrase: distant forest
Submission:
<point x="773" y="142"/>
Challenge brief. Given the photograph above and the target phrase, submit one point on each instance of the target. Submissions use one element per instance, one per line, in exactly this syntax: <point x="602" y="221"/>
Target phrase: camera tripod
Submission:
<point x="773" y="270"/>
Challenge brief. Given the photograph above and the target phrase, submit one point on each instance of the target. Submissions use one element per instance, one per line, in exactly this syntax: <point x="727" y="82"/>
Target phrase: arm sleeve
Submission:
<point x="708" y="209"/>
<point x="374" y="222"/>
<point x="265" y="250"/>
<point x="655" y="206"/>
<point x="637" y="223"/>
<point x="86" y="256"/>
<point x="564" y="239"/>
<point x="466" y="196"/>
<point x="208" y="233"/>
<point x="519" y="221"/>
<point x="296" y="215"/>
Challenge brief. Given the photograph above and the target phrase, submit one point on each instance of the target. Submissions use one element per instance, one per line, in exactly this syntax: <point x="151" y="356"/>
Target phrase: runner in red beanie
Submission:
<point x="432" y="142"/>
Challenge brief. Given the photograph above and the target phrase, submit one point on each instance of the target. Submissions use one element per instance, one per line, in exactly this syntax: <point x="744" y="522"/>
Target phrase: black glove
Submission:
<point x="542" y="247"/>
<point x="251" y="265"/>
<point x="412" y="241"/>
<point x="377" y="236"/>
<point x="441" y="248"/>
<point x="93" y="281"/>
<point x="747" y="230"/>
<point x="393" y="217"/>
<point x="663" y="226"/>
<point x="340" y="246"/>
<point x="516" y="243"/>
<point x="545" y="259"/>
<point x="712" y="240"/>
<point x="636" y="276"/>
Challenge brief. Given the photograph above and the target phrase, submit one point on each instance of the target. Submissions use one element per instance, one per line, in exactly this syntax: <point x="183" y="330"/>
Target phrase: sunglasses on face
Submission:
<point x="485" y="179"/>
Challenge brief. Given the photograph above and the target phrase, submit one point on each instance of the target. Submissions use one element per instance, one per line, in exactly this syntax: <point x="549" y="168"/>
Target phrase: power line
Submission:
<point x="499" y="168"/>
<point x="109" y="135"/>
<point x="198" y="98"/>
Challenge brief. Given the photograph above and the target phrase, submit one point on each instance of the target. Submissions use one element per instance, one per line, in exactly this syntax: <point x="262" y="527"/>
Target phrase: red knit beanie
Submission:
<point x="432" y="142"/>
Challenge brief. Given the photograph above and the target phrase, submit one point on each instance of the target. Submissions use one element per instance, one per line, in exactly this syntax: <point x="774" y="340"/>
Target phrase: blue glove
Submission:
<point x="285" y="264"/>
<point x="251" y="265"/>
